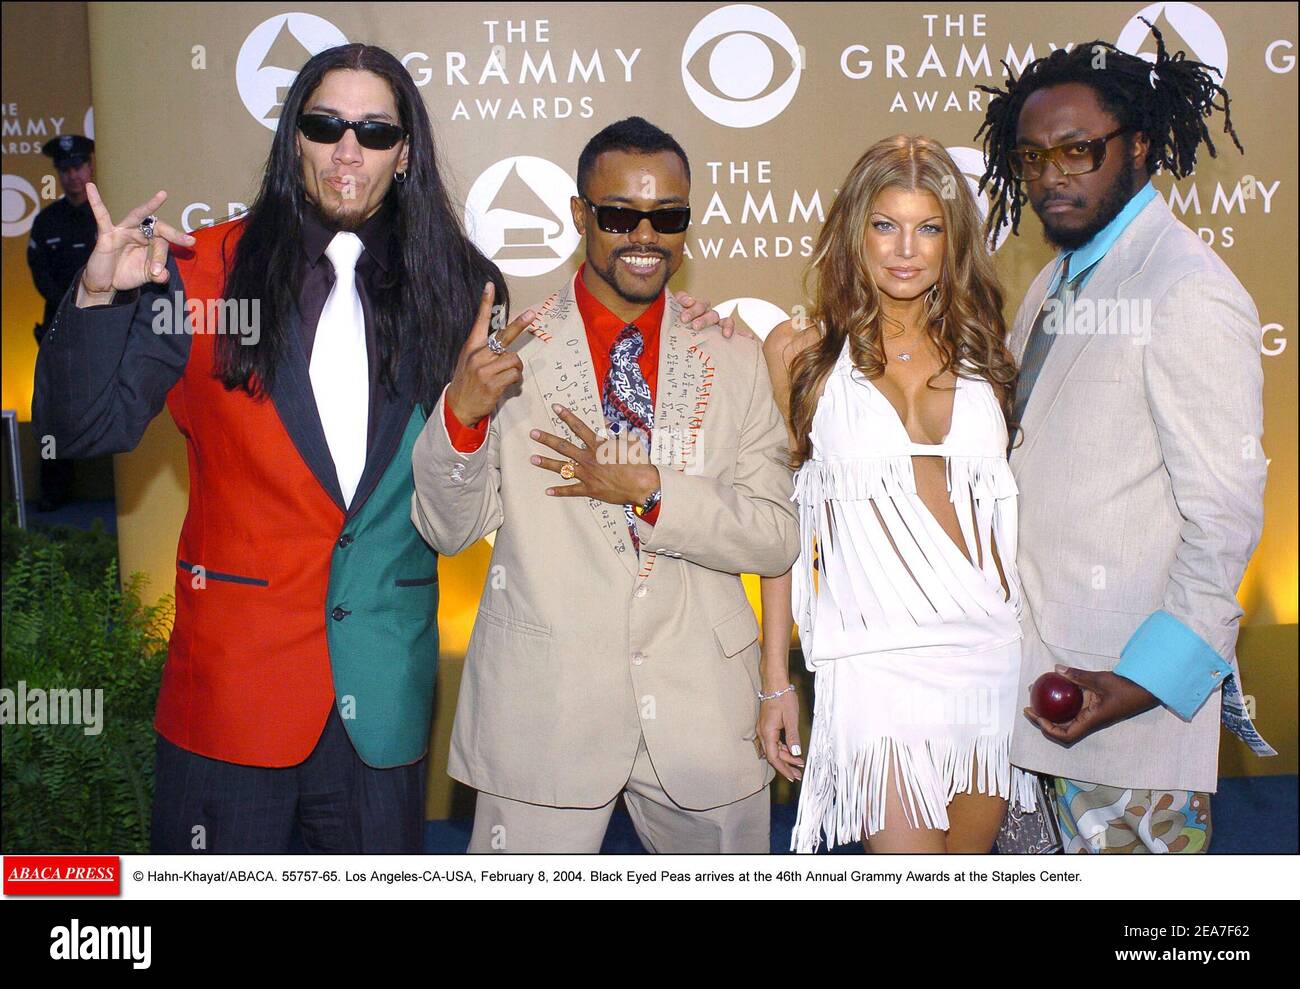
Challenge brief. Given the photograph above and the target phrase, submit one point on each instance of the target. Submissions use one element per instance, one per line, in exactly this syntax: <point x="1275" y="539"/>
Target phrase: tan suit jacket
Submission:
<point x="1141" y="481"/>
<point x="579" y="647"/>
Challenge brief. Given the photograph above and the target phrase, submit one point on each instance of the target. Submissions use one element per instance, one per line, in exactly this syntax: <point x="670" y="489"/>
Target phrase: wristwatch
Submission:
<point x="649" y="504"/>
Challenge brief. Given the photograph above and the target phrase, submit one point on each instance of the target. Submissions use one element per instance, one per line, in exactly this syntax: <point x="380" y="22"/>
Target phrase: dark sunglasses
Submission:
<point x="325" y="128"/>
<point x="622" y="220"/>
<point x="1075" y="158"/>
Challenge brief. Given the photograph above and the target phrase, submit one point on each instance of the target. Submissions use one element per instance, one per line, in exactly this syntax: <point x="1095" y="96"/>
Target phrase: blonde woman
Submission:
<point x="905" y="592"/>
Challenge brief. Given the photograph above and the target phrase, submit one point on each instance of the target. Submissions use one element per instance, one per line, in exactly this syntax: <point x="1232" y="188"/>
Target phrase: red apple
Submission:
<point x="1055" y="698"/>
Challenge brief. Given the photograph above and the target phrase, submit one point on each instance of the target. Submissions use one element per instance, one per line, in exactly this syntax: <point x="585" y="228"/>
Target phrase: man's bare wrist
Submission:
<point x="463" y="419"/>
<point x="87" y="298"/>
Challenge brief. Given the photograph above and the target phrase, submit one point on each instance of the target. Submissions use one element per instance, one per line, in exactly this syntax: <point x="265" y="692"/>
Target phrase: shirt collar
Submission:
<point x="374" y="233"/>
<point x="605" y="325"/>
<point x="1085" y="258"/>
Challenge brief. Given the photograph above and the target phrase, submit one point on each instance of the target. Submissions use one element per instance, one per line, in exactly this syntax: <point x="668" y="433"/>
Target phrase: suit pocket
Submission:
<point x="736" y="631"/>
<point x="230" y="578"/>
<point x="508" y="696"/>
<point x="1088" y="630"/>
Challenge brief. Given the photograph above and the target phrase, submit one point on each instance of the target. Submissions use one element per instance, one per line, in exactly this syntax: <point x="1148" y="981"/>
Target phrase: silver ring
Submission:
<point x="147" y="225"/>
<point x="495" y="345"/>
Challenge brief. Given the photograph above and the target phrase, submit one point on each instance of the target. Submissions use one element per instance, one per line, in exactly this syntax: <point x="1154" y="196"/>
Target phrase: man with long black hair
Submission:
<point x="1139" y="413"/>
<point x="299" y="349"/>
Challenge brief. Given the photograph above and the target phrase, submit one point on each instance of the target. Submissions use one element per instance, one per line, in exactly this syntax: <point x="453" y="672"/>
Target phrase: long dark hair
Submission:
<point x="424" y="305"/>
<point x="963" y="313"/>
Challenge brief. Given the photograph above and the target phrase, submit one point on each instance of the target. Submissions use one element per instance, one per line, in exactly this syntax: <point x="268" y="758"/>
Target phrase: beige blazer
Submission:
<point x="1141" y="484"/>
<point x="579" y="648"/>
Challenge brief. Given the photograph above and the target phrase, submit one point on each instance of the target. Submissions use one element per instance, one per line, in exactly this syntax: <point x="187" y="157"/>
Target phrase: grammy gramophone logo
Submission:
<point x="271" y="56"/>
<point x="1185" y="27"/>
<point x="517" y="213"/>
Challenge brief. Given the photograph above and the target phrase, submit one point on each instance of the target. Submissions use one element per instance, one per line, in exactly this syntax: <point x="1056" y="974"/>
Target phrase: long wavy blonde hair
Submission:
<point x="964" y="313"/>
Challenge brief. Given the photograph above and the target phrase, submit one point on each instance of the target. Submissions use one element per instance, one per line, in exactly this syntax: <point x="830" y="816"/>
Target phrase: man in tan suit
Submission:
<point x="1140" y="466"/>
<point x="632" y="468"/>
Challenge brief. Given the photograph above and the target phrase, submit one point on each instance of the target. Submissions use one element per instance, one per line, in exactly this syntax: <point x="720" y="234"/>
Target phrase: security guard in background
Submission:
<point x="63" y="236"/>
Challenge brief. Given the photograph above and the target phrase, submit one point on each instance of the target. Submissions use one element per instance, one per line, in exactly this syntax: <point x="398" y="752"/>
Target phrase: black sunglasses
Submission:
<point x="325" y="128"/>
<point x="623" y="220"/>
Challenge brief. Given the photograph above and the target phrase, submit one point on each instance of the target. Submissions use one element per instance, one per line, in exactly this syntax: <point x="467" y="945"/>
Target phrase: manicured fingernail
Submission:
<point x="796" y="751"/>
<point x="528" y="316"/>
<point x="550" y="491"/>
<point x="157" y="268"/>
<point x="1060" y="668"/>
<point x="535" y="433"/>
<point x="556" y="409"/>
<point x="534" y="460"/>
<point x="486" y="286"/>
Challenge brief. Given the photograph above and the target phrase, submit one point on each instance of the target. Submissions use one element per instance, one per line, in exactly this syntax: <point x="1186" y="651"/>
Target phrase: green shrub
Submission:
<point x="67" y="623"/>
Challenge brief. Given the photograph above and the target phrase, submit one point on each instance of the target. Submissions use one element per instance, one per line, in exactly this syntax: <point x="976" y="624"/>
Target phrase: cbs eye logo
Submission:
<point x="741" y="65"/>
<point x="19" y="205"/>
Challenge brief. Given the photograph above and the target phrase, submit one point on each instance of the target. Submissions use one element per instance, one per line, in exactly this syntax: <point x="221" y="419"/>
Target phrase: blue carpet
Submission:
<point x="1252" y="815"/>
<point x="79" y="513"/>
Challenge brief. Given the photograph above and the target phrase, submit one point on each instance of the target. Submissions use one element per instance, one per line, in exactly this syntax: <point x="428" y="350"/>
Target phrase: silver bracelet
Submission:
<point x="773" y="696"/>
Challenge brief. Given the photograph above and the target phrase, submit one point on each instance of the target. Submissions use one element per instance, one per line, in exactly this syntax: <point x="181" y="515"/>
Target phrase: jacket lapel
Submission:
<point x="685" y="378"/>
<point x="1020" y="332"/>
<point x="296" y="404"/>
<point x="1123" y="262"/>
<point x="560" y="367"/>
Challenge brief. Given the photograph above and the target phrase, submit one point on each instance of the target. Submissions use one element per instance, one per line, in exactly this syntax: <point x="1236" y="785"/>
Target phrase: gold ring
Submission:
<point x="568" y="469"/>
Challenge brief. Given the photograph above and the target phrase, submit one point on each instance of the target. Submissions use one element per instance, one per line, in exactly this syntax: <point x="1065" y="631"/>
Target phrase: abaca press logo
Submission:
<point x="741" y="65"/>
<point x="271" y="56"/>
<point x="517" y="214"/>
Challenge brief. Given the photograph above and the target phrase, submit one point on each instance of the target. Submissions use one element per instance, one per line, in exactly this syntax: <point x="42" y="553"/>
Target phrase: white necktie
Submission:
<point x="340" y="372"/>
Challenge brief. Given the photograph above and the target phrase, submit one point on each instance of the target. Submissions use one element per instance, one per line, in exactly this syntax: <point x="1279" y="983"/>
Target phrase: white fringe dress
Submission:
<point x="915" y="649"/>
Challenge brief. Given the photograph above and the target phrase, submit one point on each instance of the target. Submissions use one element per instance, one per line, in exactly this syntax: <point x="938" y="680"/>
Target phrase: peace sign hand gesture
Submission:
<point x="482" y="375"/>
<point x="124" y="258"/>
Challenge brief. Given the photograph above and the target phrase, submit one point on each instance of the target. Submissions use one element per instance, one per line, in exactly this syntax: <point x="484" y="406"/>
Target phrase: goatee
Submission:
<point x="341" y="221"/>
<point x="1112" y="202"/>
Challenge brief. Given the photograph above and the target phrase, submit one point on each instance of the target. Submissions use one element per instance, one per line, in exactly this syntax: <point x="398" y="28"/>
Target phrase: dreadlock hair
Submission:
<point x="1169" y="102"/>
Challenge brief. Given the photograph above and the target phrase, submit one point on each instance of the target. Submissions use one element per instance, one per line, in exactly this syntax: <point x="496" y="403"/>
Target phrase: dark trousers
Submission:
<point x="56" y="483"/>
<point x="339" y="804"/>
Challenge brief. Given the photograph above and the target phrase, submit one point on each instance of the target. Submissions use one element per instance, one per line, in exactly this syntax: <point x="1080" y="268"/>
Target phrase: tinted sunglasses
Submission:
<point x="325" y="128"/>
<point x="1075" y="158"/>
<point x="622" y="220"/>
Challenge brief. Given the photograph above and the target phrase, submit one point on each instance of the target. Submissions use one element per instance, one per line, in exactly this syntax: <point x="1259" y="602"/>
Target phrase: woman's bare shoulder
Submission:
<point x="787" y="339"/>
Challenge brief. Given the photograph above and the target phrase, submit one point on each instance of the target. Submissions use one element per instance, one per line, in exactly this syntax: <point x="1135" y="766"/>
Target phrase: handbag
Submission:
<point x="1032" y="832"/>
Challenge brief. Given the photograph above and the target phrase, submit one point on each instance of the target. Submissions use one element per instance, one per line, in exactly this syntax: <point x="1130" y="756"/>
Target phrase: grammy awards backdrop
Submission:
<point x="773" y="103"/>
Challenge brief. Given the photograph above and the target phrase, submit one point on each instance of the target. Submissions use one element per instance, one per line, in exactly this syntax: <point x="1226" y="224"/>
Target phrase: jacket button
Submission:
<point x="338" y="614"/>
<point x="642" y="591"/>
<point x="638" y="658"/>
<point x="345" y="540"/>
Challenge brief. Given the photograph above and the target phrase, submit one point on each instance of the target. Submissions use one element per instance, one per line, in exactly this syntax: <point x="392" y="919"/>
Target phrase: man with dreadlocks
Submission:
<point x="1138" y="414"/>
